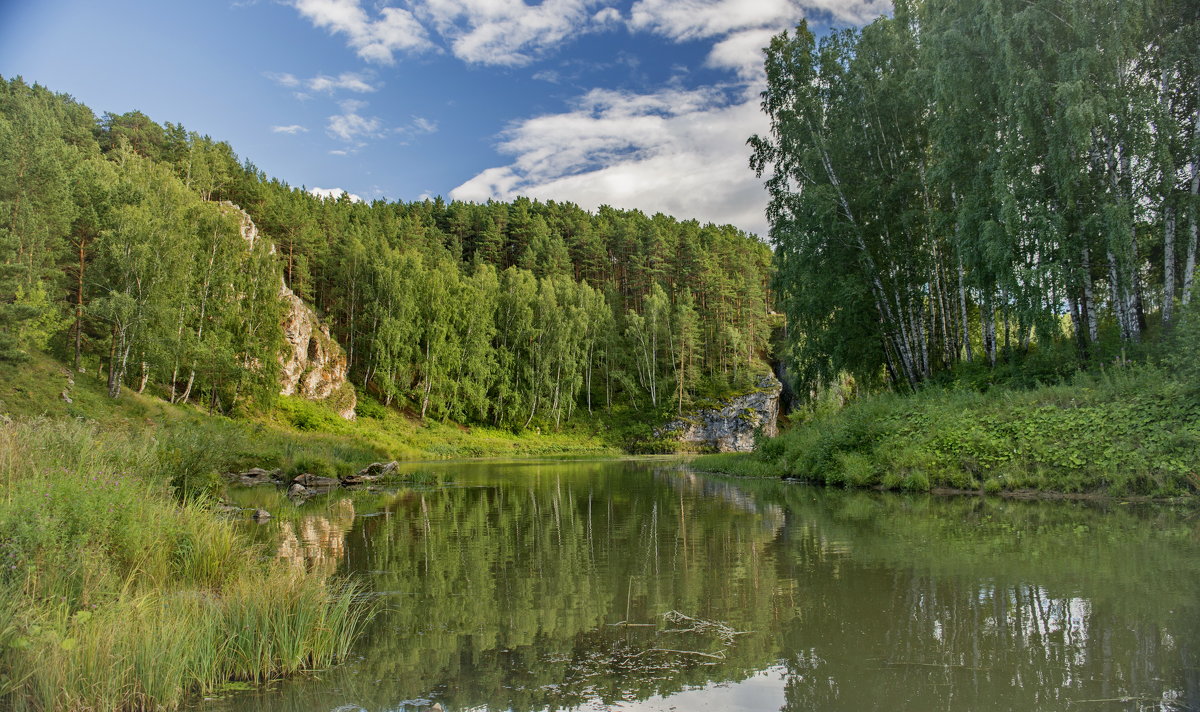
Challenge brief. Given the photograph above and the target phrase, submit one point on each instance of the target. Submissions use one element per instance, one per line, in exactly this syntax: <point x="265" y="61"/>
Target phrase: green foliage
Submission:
<point x="1126" y="433"/>
<point x="983" y="183"/>
<point x="313" y="466"/>
<point x="122" y="244"/>
<point x="117" y="596"/>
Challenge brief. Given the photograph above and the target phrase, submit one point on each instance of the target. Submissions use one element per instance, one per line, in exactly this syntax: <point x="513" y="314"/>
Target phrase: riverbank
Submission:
<point x="1127" y="432"/>
<point x="117" y="595"/>
<point x="292" y="432"/>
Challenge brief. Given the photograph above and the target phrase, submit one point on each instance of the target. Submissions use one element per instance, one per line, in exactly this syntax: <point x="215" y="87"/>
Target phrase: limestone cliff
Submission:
<point x="314" y="365"/>
<point x="732" y="427"/>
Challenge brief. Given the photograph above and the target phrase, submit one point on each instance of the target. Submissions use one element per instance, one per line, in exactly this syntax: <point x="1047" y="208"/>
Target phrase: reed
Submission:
<point x="114" y="595"/>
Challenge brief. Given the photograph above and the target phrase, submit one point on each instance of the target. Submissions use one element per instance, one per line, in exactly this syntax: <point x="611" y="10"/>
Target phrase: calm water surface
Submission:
<point x="638" y="585"/>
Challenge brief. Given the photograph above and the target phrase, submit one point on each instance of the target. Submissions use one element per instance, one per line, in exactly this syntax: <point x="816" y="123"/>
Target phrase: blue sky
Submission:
<point x="632" y="103"/>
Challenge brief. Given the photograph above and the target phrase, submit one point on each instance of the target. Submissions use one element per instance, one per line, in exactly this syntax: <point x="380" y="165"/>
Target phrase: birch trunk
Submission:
<point x="1168" y="266"/>
<point x="1189" y="268"/>
<point x="988" y="317"/>
<point x="962" y="302"/>
<point x="1089" y="305"/>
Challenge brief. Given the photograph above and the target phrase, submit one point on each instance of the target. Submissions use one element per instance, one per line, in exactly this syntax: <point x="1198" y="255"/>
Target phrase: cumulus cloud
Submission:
<point x="679" y="152"/>
<point x="742" y="53"/>
<point x="351" y="126"/>
<point x="607" y="16"/>
<point x="505" y="32"/>
<point x="291" y="129"/>
<point x="497" y="32"/>
<point x="376" y="38"/>
<point x="695" y="19"/>
<point x="334" y="194"/>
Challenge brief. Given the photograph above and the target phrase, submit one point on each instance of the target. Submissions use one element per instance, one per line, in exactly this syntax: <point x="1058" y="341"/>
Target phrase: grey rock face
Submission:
<point x="732" y="427"/>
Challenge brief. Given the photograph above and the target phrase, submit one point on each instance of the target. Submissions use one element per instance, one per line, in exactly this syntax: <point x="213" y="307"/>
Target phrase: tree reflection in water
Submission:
<point x="542" y="586"/>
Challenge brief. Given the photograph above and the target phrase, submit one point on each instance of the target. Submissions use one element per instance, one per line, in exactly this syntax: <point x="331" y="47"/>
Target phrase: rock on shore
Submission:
<point x="732" y="427"/>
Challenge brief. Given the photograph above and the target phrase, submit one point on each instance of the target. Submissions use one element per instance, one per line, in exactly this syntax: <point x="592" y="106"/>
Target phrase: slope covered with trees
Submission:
<point x="979" y="182"/>
<point x="120" y="251"/>
<point x="993" y="205"/>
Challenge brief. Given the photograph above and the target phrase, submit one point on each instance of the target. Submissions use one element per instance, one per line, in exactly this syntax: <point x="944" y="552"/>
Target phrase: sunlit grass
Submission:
<point x="1127" y="432"/>
<point x="116" y="596"/>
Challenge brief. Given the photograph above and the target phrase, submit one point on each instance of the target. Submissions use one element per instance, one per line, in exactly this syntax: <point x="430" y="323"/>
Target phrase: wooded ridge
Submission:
<point x="120" y="252"/>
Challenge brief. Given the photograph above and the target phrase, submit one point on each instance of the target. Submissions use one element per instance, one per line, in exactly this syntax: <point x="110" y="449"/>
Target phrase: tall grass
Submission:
<point x="114" y="595"/>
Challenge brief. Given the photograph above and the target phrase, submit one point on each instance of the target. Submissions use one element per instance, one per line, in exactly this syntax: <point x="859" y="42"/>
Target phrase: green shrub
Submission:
<point x="858" y="470"/>
<point x="370" y="408"/>
<point x="313" y="466"/>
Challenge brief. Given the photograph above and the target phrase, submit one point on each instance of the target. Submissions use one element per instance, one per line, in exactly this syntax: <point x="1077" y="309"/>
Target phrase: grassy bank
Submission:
<point x="294" y="433"/>
<point x="117" y="596"/>
<point x="1122" y="433"/>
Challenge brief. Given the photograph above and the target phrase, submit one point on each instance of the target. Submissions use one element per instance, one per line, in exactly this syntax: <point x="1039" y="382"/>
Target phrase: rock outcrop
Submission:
<point x="314" y="365"/>
<point x="731" y="428"/>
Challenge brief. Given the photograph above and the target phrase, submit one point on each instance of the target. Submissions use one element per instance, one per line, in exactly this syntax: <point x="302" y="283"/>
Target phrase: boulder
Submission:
<point x="261" y="515"/>
<point x="370" y="473"/>
<point x="299" y="491"/>
<point x="258" y="476"/>
<point x="312" y="481"/>
<point x="732" y="427"/>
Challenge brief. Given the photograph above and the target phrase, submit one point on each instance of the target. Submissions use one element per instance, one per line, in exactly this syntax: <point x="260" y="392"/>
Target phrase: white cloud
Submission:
<point x="607" y="16"/>
<point x="292" y="129"/>
<point x="283" y="78"/>
<point x="497" y="32"/>
<point x="692" y="19"/>
<point x="742" y="52"/>
<point x="678" y="152"/>
<point x="334" y="194"/>
<point x="505" y="32"/>
<point x="695" y="19"/>
<point x="353" y="127"/>
<point x="375" y="39"/>
<point x="350" y="81"/>
<point x="424" y="125"/>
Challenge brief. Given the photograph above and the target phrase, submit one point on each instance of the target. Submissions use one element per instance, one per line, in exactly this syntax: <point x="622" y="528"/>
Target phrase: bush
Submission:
<point x="313" y="466"/>
<point x="370" y="408"/>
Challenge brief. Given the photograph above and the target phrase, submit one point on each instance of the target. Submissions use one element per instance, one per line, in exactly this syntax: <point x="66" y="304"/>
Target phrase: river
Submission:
<point x="639" y="585"/>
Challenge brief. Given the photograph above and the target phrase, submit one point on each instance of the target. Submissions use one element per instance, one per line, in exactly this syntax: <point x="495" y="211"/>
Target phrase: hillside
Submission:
<point x="155" y="260"/>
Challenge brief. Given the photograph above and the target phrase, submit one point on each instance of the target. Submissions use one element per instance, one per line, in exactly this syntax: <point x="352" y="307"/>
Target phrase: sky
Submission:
<point x="641" y="104"/>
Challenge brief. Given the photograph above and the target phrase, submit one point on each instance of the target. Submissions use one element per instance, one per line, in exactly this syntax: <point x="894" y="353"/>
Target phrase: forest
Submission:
<point x="122" y="254"/>
<point x="984" y="183"/>
<point x="985" y="223"/>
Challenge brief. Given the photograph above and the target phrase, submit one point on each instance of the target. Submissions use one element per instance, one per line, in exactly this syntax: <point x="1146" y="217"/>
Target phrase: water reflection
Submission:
<point x="544" y="586"/>
<point x="317" y="542"/>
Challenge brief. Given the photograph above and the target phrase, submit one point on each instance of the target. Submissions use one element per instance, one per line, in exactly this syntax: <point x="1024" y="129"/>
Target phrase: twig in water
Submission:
<point x="717" y="656"/>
